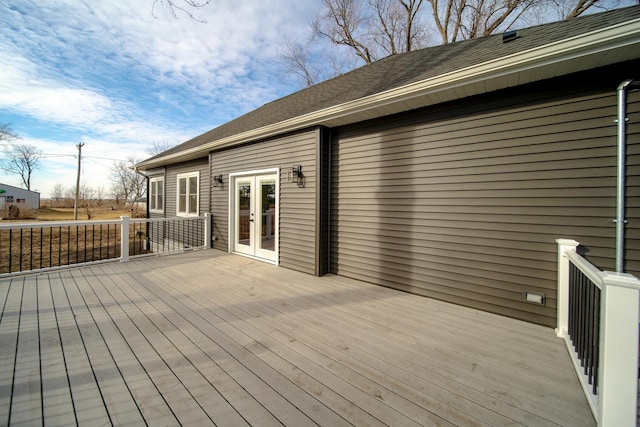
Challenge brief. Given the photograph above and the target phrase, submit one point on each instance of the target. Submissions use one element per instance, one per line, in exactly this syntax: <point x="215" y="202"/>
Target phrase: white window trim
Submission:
<point x="156" y="179"/>
<point x="187" y="176"/>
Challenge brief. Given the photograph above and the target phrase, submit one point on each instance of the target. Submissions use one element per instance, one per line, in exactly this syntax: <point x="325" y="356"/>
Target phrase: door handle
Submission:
<point x="251" y="219"/>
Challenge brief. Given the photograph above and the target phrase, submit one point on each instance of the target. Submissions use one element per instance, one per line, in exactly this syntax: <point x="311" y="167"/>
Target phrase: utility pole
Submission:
<point x="75" y="205"/>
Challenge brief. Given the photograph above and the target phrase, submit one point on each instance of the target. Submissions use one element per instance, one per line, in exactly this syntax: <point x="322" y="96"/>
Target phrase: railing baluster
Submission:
<point x="31" y="249"/>
<point x="584" y="322"/>
<point x="151" y="236"/>
<point x="596" y="340"/>
<point x="10" y="249"/>
<point x="50" y="246"/>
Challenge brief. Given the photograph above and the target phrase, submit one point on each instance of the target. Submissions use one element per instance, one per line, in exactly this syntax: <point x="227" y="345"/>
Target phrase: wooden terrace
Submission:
<point x="208" y="338"/>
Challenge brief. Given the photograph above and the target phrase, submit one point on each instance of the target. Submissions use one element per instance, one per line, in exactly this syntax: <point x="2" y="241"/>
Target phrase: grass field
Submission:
<point x="66" y="214"/>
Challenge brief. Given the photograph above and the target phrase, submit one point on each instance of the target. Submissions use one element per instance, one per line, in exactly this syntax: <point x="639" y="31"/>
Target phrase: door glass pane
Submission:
<point x="244" y="210"/>
<point x="267" y="211"/>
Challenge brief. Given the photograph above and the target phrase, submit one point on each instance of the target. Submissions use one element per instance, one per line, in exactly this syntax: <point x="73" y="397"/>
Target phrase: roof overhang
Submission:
<point x="610" y="45"/>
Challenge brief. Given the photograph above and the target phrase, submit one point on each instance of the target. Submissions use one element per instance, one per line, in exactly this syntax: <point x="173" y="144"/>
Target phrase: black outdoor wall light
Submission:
<point x="295" y="175"/>
<point x="217" y="180"/>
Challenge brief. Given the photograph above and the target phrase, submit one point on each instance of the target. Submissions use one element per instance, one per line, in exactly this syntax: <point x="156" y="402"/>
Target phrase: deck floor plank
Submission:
<point x="298" y="332"/>
<point x="337" y="355"/>
<point x="85" y="392"/>
<point x="57" y="402"/>
<point x="203" y="401"/>
<point x="279" y="395"/>
<point x="26" y="402"/>
<point x="11" y="290"/>
<point x="210" y="338"/>
<point x="318" y="364"/>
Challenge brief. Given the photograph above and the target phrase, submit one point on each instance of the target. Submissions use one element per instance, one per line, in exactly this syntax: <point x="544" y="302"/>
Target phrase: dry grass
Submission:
<point x="43" y="246"/>
<point x="66" y="214"/>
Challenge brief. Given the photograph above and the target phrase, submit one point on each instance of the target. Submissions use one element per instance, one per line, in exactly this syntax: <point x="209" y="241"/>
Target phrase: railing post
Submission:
<point x="564" y="245"/>
<point x="124" y="239"/>
<point x="618" y="388"/>
<point x="207" y="230"/>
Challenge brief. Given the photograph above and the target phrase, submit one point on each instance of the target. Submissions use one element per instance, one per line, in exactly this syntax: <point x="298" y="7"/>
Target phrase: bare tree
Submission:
<point x="158" y="147"/>
<point x="126" y="184"/>
<point x="468" y="19"/>
<point x="57" y="193"/>
<point x="395" y="28"/>
<point x="87" y="193"/>
<point x="371" y="30"/>
<point x="580" y="7"/>
<point x="377" y="28"/>
<point x="7" y="134"/>
<point x="100" y="195"/>
<point x="345" y="23"/>
<point x="177" y="7"/>
<point x="295" y="59"/>
<point x="20" y="159"/>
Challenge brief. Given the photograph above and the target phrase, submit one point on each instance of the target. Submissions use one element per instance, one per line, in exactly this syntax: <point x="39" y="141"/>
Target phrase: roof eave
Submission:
<point x="590" y="50"/>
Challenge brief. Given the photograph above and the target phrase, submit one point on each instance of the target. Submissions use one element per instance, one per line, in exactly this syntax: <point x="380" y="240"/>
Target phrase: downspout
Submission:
<point x="620" y="194"/>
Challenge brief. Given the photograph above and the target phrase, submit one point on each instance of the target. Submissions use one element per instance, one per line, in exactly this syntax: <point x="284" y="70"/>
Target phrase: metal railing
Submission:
<point x="38" y="246"/>
<point x="598" y="318"/>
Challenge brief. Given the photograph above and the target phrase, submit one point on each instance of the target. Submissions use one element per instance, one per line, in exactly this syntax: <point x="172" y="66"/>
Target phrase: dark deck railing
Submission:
<point x="46" y="245"/>
<point x="584" y="322"/>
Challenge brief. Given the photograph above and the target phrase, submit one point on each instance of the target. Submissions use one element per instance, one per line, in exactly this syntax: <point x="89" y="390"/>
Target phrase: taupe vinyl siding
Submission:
<point x="464" y="202"/>
<point x="298" y="205"/>
<point x="171" y="181"/>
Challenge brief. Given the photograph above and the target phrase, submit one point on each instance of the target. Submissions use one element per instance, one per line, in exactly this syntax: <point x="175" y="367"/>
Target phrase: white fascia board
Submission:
<point x="603" y="40"/>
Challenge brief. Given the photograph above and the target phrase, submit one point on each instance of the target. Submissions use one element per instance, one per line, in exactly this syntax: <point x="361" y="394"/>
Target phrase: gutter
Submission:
<point x="557" y="55"/>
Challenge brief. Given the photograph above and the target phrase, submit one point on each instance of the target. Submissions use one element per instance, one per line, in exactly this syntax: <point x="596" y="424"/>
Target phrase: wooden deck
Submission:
<point x="208" y="338"/>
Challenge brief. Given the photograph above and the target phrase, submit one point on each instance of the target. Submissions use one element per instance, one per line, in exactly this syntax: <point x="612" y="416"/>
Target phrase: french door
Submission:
<point x="254" y="215"/>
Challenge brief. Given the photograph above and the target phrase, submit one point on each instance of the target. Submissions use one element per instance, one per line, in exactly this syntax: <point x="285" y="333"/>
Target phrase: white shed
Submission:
<point x="10" y="195"/>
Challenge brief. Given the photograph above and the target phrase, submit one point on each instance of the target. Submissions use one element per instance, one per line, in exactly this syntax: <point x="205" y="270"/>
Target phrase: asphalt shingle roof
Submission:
<point x="401" y="69"/>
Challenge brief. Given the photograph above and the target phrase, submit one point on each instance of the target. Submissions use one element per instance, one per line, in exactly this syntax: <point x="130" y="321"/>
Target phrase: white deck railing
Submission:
<point x="39" y="246"/>
<point x="614" y="402"/>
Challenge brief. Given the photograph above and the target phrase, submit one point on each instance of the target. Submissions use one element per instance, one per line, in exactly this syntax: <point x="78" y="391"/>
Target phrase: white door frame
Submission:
<point x="252" y="251"/>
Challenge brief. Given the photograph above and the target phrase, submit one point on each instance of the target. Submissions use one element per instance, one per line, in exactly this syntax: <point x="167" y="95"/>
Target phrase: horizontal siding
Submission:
<point x="171" y="182"/>
<point x="297" y="204"/>
<point x="464" y="203"/>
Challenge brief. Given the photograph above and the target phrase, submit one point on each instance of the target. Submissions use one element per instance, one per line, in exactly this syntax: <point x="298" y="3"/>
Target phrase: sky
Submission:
<point x="121" y="75"/>
<point x="118" y="77"/>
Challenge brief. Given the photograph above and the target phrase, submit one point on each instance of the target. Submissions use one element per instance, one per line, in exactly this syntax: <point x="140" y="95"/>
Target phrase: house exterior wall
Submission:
<point x="173" y="235"/>
<point x="298" y="226"/>
<point x="171" y="179"/>
<point x="463" y="202"/>
<point x="10" y="195"/>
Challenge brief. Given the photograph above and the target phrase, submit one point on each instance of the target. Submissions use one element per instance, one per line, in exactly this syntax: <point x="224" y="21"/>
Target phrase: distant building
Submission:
<point x="20" y="197"/>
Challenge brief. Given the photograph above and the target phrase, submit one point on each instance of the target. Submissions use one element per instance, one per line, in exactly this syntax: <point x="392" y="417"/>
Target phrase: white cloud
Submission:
<point x="113" y="76"/>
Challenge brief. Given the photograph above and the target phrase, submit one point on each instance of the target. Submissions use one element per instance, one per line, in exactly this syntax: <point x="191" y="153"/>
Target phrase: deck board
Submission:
<point x="210" y="338"/>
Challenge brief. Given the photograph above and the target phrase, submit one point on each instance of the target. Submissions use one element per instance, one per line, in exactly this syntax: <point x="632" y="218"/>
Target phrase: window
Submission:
<point x="188" y="197"/>
<point x="21" y="200"/>
<point x="156" y="194"/>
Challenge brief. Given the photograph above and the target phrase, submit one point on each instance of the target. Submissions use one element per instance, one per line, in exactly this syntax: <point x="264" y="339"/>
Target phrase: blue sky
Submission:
<point x="110" y="74"/>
